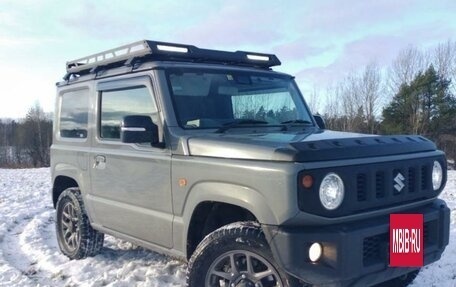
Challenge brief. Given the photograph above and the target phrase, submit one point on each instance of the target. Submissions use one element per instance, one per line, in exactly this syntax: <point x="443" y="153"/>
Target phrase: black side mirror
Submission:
<point x="320" y="122"/>
<point x="138" y="129"/>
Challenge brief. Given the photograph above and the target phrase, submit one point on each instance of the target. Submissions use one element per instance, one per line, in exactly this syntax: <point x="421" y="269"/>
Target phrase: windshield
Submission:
<point x="214" y="99"/>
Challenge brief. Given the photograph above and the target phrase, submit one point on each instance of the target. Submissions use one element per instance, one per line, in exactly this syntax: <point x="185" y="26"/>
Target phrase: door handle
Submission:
<point x="100" y="162"/>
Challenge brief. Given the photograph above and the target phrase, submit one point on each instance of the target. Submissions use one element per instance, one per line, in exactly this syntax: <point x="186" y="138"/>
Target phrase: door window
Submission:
<point x="117" y="104"/>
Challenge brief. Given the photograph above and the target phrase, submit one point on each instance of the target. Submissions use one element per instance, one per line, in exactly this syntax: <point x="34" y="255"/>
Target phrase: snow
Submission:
<point x="451" y="165"/>
<point x="29" y="255"/>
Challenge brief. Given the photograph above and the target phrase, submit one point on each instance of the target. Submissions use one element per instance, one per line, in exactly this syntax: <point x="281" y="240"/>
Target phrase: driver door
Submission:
<point x="131" y="191"/>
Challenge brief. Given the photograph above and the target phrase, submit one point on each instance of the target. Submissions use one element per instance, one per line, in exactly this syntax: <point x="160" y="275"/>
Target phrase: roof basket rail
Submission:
<point x="122" y="53"/>
<point x="154" y="50"/>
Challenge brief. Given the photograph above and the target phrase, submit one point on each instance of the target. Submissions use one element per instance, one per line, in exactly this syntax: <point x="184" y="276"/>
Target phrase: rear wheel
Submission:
<point x="236" y="255"/>
<point x="75" y="236"/>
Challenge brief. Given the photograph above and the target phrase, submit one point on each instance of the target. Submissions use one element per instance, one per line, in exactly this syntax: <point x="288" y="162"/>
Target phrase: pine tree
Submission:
<point x="425" y="106"/>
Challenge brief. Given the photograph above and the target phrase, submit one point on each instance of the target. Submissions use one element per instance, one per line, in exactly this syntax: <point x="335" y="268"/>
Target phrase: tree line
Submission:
<point x="26" y="142"/>
<point x="415" y="94"/>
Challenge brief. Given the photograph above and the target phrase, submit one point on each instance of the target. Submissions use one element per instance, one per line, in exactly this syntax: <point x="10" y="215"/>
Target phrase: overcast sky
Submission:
<point x="318" y="41"/>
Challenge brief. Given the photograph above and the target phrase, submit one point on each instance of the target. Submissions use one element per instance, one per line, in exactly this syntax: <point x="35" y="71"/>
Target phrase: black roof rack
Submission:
<point x="130" y="54"/>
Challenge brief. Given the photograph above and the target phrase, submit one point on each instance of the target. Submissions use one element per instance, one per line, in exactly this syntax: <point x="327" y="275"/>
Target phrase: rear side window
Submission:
<point x="115" y="105"/>
<point x="74" y="114"/>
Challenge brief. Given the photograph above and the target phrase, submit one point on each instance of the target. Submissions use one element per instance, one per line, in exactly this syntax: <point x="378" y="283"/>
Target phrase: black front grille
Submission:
<point x="383" y="185"/>
<point x="393" y="183"/>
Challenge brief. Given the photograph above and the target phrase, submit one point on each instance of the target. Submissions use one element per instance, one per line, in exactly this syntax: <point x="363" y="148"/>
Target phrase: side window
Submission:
<point x="120" y="103"/>
<point x="74" y="114"/>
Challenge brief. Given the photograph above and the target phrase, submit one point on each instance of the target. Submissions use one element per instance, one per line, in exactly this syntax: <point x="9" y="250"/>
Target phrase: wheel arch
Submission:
<point x="61" y="183"/>
<point x="209" y="199"/>
<point x="65" y="176"/>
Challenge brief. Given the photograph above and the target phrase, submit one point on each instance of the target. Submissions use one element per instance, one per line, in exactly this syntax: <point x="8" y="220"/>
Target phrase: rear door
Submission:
<point x="131" y="191"/>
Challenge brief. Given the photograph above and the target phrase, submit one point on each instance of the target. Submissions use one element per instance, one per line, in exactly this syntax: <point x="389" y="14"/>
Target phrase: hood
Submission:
<point x="305" y="147"/>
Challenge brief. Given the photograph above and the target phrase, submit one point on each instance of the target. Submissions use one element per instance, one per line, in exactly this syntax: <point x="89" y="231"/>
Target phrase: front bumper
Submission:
<point x="354" y="253"/>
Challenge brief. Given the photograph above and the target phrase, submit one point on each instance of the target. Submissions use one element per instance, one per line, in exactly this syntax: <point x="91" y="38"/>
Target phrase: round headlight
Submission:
<point x="331" y="191"/>
<point x="437" y="175"/>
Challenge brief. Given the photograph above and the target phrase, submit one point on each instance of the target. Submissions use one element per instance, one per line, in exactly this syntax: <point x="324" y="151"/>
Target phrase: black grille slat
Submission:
<point x="424" y="177"/>
<point x="411" y="179"/>
<point x="361" y="187"/>
<point x="380" y="184"/>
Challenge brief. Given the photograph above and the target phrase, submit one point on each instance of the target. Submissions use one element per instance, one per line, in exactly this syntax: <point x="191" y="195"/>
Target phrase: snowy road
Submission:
<point x="29" y="255"/>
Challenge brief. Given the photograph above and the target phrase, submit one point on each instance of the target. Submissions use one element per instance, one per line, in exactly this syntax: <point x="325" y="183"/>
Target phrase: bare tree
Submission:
<point x="444" y="61"/>
<point x="370" y="87"/>
<point x="351" y="103"/>
<point x="332" y="110"/>
<point x="405" y="67"/>
<point x="38" y="129"/>
<point x="354" y="103"/>
<point x="314" y="100"/>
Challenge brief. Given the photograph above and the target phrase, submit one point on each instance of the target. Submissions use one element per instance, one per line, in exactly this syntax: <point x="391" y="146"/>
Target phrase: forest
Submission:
<point x="414" y="94"/>
<point x="26" y="142"/>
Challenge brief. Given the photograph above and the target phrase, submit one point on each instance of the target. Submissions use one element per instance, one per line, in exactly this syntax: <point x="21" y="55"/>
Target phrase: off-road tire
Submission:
<point x="239" y="237"/>
<point x="87" y="241"/>
<point x="402" y="281"/>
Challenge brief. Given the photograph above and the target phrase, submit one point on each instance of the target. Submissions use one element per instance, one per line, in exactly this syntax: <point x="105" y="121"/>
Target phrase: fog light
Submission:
<point x="315" y="252"/>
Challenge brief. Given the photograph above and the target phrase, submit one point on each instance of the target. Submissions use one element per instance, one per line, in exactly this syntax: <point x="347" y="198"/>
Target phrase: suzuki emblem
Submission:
<point x="399" y="180"/>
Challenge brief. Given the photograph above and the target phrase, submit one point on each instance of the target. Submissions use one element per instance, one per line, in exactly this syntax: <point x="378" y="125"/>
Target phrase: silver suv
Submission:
<point x="212" y="157"/>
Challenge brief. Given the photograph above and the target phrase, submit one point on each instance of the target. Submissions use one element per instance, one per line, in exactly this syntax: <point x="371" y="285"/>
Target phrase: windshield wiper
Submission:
<point x="240" y="122"/>
<point x="287" y="124"/>
<point x="296" y="122"/>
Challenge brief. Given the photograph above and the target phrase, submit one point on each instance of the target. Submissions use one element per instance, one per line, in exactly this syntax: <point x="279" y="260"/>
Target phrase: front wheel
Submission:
<point x="236" y="255"/>
<point x="75" y="236"/>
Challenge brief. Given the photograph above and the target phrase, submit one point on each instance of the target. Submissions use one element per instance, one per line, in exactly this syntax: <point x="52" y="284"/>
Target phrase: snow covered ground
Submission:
<point x="29" y="254"/>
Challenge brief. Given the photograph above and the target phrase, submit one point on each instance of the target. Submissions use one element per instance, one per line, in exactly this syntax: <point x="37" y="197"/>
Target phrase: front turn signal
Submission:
<point x="307" y="181"/>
